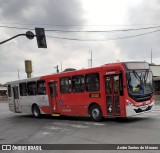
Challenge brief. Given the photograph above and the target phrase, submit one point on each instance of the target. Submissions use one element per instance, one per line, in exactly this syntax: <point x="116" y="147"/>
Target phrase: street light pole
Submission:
<point x="40" y="35"/>
<point x="28" y="34"/>
<point x="12" y="38"/>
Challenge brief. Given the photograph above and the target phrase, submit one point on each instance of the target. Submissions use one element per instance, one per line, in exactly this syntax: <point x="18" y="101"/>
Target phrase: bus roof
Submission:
<point x="23" y="80"/>
<point x="76" y="72"/>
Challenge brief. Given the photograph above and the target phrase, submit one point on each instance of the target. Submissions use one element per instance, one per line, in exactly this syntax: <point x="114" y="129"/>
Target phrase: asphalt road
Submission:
<point x="25" y="129"/>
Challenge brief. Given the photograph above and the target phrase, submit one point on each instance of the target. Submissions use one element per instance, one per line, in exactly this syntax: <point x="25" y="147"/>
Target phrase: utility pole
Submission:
<point x="61" y="66"/>
<point x="18" y="75"/>
<point x="151" y="55"/>
<point x="91" y="59"/>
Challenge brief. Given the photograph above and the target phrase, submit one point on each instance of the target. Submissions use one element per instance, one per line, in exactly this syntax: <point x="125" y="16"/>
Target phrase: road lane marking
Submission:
<point x="58" y="128"/>
<point x="45" y="133"/>
<point x="71" y="125"/>
<point x="78" y="126"/>
<point x="97" y="124"/>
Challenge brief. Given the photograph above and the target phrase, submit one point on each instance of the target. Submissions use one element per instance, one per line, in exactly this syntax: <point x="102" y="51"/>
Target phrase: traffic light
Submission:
<point x="41" y="38"/>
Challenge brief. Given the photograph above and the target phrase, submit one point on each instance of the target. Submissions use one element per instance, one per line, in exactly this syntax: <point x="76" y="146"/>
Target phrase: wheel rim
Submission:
<point x="35" y="111"/>
<point x="95" y="113"/>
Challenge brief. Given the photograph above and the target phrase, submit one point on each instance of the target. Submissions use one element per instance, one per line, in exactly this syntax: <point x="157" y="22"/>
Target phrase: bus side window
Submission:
<point x="23" y="89"/>
<point x="116" y="84"/>
<point x="92" y="82"/>
<point x="121" y="84"/>
<point x="32" y="88"/>
<point x="78" y="83"/>
<point x="15" y="92"/>
<point x="9" y="91"/>
<point x="108" y="85"/>
<point x="65" y="85"/>
<point x="41" y="87"/>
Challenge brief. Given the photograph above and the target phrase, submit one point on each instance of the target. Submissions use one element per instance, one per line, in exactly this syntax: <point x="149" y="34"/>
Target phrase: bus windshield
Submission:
<point x="139" y="83"/>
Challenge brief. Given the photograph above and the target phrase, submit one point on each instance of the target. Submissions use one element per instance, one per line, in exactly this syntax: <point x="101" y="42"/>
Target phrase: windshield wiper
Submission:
<point x="137" y="76"/>
<point x="146" y="76"/>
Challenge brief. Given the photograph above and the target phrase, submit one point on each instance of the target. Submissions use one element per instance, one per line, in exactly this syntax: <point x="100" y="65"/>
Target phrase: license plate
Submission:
<point x="143" y="107"/>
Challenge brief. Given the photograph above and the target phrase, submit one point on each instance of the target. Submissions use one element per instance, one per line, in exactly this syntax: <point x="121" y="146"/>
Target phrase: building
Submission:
<point x="156" y="78"/>
<point x="3" y="92"/>
<point x="156" y="81"/>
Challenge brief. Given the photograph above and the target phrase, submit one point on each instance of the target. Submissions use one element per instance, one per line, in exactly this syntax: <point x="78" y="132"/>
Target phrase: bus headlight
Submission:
<point x="153" y="102"/>
<point x="129" y="103"/>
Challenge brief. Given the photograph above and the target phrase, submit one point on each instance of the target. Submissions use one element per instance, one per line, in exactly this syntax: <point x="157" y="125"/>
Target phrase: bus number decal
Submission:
<point x="66" y="110"/>
<point x="110" y="72"/>
<point x="95" y="95"/>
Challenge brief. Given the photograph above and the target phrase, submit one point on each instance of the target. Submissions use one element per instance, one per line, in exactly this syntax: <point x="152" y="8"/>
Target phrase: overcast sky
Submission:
<point x="80" y="15"/>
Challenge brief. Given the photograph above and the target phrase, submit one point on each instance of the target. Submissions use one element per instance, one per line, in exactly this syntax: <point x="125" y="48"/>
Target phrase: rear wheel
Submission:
<point x="95" y="113"/>
<point x="36" y="111"/>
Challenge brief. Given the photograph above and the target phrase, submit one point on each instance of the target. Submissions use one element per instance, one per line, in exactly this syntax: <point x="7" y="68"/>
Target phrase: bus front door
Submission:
<point x="112" y="95"/>
<point x="16" y="99"/>
<point x="53" y="96"/>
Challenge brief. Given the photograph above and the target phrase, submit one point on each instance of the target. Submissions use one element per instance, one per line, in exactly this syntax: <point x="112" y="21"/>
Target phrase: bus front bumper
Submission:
<point x="133" y="110"/>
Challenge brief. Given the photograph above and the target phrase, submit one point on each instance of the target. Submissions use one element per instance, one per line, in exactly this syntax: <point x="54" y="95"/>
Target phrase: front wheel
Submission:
<point x="36" y="111"/>
<point x="95" y="113"/>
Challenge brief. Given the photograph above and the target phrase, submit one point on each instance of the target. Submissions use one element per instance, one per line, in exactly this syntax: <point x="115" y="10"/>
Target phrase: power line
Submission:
<point x="97" y="31"/>
<point x="118" y="38"/>
<point x="15" y="71"/>
<point x="76" y="39"/>
<point x="18" y="28"/>
<point x="75" y="25"/>
<point x="137" y="35"/>
<point x="78" y="31"/>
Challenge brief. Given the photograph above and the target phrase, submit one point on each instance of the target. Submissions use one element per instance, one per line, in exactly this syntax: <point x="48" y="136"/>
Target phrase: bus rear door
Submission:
<point x="53" y="93"/>
<point x="112" y="95"/>
<point x="16" y="98"/>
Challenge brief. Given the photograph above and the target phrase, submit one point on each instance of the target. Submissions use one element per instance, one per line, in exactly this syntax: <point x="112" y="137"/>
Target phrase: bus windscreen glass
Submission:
<point x="140" y="83"/>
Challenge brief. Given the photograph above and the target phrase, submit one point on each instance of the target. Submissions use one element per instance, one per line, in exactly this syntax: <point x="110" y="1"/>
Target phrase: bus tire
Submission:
<point x="36" y="111"/>
<point x="95" y="113"/>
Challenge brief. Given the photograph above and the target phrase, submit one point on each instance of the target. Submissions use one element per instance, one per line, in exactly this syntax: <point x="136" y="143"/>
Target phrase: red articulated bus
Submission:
<point x="113" y="90"/>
